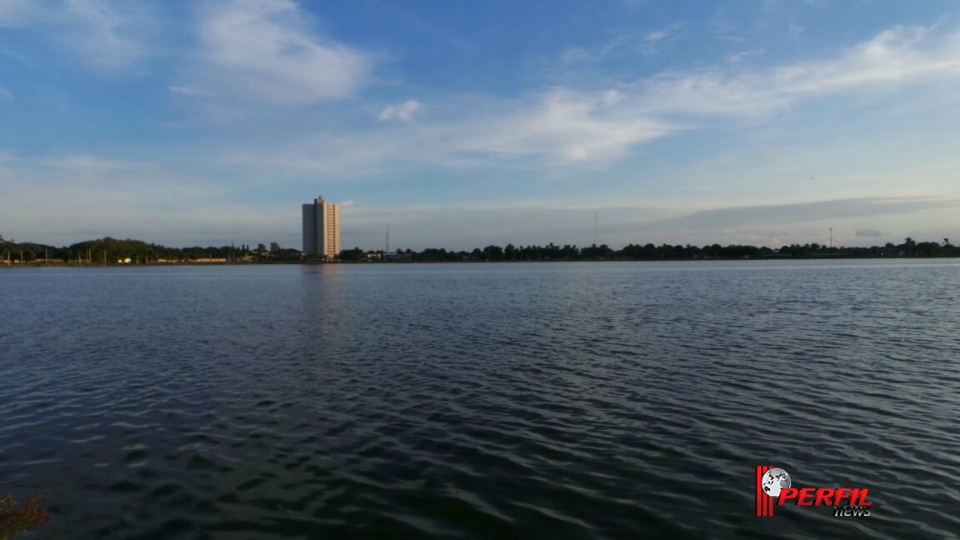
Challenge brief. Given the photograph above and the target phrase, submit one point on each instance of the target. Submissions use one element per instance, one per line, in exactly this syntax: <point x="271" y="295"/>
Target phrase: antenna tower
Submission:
<point x="594" y="227"/>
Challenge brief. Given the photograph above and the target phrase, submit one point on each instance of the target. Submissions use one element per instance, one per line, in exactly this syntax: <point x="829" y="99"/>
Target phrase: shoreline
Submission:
<point x="31" y="264"/>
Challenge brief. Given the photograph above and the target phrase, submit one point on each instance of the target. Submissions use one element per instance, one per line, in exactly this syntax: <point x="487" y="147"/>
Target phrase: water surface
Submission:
<point x="550" y="400"/>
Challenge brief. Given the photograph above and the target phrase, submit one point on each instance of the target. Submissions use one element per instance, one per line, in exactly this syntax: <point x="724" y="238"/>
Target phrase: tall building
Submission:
<point x="321" y="229"/>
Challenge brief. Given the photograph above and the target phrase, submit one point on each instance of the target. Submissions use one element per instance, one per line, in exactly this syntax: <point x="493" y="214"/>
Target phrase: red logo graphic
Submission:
<point x="772" y="482"/>
<point x="764" y="501"/>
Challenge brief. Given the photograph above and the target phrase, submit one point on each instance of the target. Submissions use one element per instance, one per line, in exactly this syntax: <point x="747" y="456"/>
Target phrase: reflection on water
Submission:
<point x="323" y="314"/>
<point x="475" y="400"/>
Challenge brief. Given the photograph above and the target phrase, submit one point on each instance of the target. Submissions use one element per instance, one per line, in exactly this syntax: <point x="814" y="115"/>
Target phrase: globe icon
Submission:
<point x="774" y="480"/>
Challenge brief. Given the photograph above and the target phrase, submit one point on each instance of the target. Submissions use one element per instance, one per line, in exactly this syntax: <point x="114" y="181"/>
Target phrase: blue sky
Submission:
<point x="462" y="124"/>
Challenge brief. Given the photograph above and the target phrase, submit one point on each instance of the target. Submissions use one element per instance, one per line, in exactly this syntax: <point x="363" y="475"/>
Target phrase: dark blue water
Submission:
<point x="594" y="400"/>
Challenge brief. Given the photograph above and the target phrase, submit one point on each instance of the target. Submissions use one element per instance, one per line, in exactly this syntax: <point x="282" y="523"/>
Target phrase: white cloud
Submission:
<point x="110" y="35"/>
<point x="563" y="126"/>
<point x="657" y="35"/>
<point x="266" y="50"/>
<point x="573" y="61"/>
<point x="191" y="91"/>
<point x="898" y="55"/>
<point x="402" y="111"/>
<point x="560" y="127"/>
<point x="901" y="54"/>
<point x="107" y="35"/>
<point x="743" y="55"/>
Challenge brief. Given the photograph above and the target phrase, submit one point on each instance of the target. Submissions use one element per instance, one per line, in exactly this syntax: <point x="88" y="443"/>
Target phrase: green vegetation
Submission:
<point x="111" y="251"/>
<point x="650" y="252"/>
<point x="15" y="518"/>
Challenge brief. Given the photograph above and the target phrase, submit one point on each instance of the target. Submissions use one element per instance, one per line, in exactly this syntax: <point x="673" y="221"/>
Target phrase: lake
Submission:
<point x="547" y="400"/>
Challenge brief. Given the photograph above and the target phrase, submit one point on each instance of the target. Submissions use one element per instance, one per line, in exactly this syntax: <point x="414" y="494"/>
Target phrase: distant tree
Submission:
<point x="493" y="253"/>
<point x="109" y="250"/>
<point x="910" y="245"/>
<point x="351" y="255"/>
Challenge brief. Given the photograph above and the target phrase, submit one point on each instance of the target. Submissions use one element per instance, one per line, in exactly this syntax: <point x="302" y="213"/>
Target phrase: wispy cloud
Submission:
<point x="402" y="111"/>
<point x="743" y="55"/>
<point x="111" y="35"/>
<point x="564" y="126"/>
<point x="657" y="35"/>
<point x="812" y="211"/>
<point x="268" y="50"/>
<point x="191" y="91"/>
<point x="900" y="55"/>
<point x="561" y="127"/>
<point x="103" y="34"/>
<point x="625" y="44"/>
<point x="5" y="94"/>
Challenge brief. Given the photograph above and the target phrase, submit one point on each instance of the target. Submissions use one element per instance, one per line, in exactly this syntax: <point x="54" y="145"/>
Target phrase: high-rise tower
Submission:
<point x="321" y="229"/>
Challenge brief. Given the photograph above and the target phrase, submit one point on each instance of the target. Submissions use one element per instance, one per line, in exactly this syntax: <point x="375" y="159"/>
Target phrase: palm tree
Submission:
<point x="909" y="245"/>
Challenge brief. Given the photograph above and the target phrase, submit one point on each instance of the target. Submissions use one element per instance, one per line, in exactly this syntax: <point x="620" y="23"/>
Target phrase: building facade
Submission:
<point x="321" y="229"/>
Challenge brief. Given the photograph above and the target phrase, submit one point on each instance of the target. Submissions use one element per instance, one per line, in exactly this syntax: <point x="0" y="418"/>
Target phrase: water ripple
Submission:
<point x="470" y="401"/>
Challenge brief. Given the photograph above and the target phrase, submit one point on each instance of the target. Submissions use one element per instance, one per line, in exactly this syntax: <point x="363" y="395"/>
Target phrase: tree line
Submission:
<point x="551" y="252"/>
<point x="111" y="251"/>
